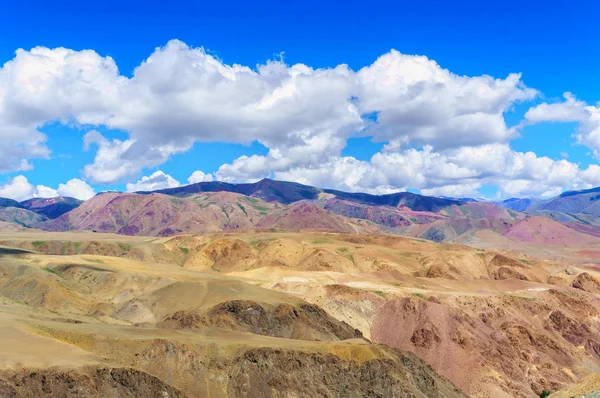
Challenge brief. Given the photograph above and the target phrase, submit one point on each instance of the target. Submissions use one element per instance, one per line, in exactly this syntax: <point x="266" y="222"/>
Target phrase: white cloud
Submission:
<point x="417" y="101"/>
<point x="108" y="163"/>
<point x="181" y="95"/>
<point x="45" y="85"/>
<point x="343" y="173"/>
<point x="200" y="176"/>
<point x="450" y="172"/>
<point x="591" y="176"/>
<point x="42" y="191"/>
<point x="442" y="133"/>
<point x="454" y="191"/>
<point x="19" y="188"/>
<point x="76" y="188"/>
<point x="157" y="180"/>
<point x="572" y="110"/>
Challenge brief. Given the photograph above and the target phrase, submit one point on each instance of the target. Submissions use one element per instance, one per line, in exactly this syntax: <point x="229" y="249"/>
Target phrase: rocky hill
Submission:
<point x="51" y="207"/>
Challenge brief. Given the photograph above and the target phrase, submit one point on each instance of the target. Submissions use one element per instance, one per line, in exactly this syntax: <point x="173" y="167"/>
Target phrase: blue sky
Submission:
<point x="553" y="47"/>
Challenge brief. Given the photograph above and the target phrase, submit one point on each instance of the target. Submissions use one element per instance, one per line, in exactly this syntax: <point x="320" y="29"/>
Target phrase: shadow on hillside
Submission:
<point x="11" y="251"/>
<point x="67" y="267"/>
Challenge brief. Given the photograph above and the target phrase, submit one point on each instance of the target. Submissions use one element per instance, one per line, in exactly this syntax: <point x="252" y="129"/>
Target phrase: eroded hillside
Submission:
<point x="258" y="308"/>
<point x="107" y="315"/>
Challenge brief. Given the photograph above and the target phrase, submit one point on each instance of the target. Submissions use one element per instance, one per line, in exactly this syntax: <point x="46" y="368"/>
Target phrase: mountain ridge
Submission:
<point x="220" y="206"/>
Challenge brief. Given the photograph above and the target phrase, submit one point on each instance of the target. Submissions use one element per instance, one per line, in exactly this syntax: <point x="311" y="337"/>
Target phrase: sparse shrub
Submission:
<point x="260" y="208"/>
<point x="184" y="250"/>
<point x="419" y="295"/>
<point x="321" y="241"/>
<point x="545" y="394"/>
<point x="50" y="270"/>
<point x="38" y="243"/>
<point x="256" y="242"/>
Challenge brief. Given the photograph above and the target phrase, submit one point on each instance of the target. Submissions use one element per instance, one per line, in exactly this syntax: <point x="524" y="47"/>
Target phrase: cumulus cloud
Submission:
<point x="572" y="110"/>
<point x="44" y="85"/>
<point x="108" y="164"/>
<point x="41" y="191"/>
<point x="76" y="188"/>
<point x="19" y="188"/>
<point x="182" y="95"/>
<point x="417" y="101"/>
<point x="454" y="191"/>
<point x="451" y="172"/>
<point x="157" y="180"/>
<point x="443" y="133"/>
<point x="199" y="176"/>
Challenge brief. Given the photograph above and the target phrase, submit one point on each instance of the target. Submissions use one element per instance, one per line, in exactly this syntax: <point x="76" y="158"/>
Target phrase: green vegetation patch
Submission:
<point x="254" y="243"/>
<point x="512" y="213"/>
<point x="342" y="249"/>
<point x="255" y="203"/>
<point x="321" y="241"/>
<point x="525" y="261"/>
<point x="242" y="208"/>
<point x="581" y="220"/>
<point x="184" y="250"/>
<point x="419" y="295"/>
<point x="176" y="202"/>
<point x="50" y="270"/>
<point x="206" y="204"/>
<point x="380" y="293"/>
<point x="124" y="246"/>
<point x="225" y="211"/>
<point x="38" y="243"/>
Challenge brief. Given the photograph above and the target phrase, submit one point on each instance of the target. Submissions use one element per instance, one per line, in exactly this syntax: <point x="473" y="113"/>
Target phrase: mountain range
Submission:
<point x="268" y="204"/>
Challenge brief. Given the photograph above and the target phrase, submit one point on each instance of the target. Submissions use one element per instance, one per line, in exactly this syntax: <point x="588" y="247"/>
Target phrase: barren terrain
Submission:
<point x="296" y="313"/>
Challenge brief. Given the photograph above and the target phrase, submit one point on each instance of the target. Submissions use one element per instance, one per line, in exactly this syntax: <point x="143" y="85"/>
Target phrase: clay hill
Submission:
<point x="284" y="206"/>
<point x="215" y="206"/>
<point x="573" y="207"/>
<point x="289" y="192"/>
<point x="100" y="315"/>
<point x="272" y="313"/>
<point x="51" y="207"/>
<point x="162" y="215"/>
<point x="33" y="212"/>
